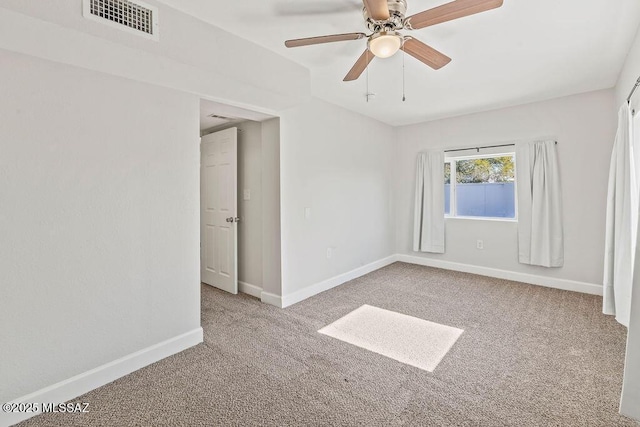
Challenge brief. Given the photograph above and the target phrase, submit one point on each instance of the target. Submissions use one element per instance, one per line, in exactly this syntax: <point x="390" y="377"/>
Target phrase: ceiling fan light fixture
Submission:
<point x="385" y="44"/>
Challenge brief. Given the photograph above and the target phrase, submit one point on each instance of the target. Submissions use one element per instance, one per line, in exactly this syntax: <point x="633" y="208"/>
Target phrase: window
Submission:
<point x="480" y="186"/>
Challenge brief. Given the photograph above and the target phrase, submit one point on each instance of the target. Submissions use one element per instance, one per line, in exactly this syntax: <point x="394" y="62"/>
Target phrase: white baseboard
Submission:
<point x="249" y="289"/>
<point x="82" y="383"/>
<point x="315" y="289"/>
<point x="549" y="282"/>
<point x="271" y="299"/>
<point x="630" y="410"/>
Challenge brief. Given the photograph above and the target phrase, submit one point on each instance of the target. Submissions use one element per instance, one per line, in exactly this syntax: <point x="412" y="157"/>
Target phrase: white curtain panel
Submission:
<point x="622" y="222"/>
<point x="428" y="225"/>
<point x="540" y="230"/>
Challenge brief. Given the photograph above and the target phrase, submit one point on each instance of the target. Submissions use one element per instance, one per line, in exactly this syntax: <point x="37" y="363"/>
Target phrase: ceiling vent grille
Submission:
<point x="136" y="17"/>
<point x="216" y="116"/>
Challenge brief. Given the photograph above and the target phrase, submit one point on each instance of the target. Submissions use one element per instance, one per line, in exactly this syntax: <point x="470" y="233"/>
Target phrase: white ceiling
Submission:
<point x="522" y="52"/>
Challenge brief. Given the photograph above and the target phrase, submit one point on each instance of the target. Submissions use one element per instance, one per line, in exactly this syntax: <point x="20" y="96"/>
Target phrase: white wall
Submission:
<point x="114" y="246"/>
<point x="629" y="75"/>
<point x="250" y="211"/>
<point x="191" y="56"/>
<point x="271" y="210"/>
<point x="631" y="388"/>
<point x="584" y="126"/>
<point x="337" y="163"/>
<point x="99" y="220"/>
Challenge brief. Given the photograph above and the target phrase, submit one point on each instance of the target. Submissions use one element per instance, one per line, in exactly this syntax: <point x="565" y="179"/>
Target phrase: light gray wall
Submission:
<point x="629" y="75"/>
<point x="584" y="126"/>
<point x="631" y="388"/>
<point x="271" y="221"/>
<point x="142" y="274"/>
<point x="250" y="211"/>
<point x="191" y="55"/>
<point x="99" y="222"/>
<point x="338" y="164"/>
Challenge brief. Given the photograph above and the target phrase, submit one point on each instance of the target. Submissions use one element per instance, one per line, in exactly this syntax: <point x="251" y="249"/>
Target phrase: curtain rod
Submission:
<point x="481" y="148"/>
<point x="635" y="86"/>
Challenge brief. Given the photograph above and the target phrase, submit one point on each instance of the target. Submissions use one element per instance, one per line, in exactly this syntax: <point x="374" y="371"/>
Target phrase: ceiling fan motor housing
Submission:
<point x="397" y="11"/>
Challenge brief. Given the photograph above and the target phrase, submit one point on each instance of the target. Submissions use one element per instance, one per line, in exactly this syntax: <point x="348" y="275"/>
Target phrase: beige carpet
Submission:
<point x="529" y="356"/>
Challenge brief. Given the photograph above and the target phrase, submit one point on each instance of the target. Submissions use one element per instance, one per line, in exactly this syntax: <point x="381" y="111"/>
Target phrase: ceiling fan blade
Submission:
<point x="378" y="9"/>
<point x="360" y="65"/>
<point x="450" y="11"/>
<point x="324" y="39"/>
<point x="425" y="53"/>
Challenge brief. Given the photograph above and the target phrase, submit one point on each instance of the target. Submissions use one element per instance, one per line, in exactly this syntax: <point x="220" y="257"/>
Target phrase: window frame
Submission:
<point x="451" y="160"/>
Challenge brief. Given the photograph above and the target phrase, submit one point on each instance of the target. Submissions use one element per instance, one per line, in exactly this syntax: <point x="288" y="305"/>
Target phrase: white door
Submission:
<point x="219" y="209"/>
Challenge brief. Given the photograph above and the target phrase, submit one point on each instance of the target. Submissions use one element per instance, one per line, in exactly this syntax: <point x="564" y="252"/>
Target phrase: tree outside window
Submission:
<point x="483" y="186"/>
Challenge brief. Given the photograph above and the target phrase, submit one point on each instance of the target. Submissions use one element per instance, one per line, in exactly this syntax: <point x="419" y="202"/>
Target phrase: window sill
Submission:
<point x="481" y="218"/>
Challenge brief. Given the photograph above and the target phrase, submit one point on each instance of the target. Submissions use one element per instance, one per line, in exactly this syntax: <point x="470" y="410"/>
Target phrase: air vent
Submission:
<point x="215" y="116"/>
<point x="132" y="16"/>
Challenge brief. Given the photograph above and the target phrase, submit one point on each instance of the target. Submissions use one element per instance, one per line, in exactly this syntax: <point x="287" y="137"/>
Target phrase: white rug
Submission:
<point x="407" y="339"/>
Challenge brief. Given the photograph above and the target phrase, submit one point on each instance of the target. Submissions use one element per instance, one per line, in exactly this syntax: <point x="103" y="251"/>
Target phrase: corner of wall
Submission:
<point x="102" y="375"/>
<point x="271" y="213"/>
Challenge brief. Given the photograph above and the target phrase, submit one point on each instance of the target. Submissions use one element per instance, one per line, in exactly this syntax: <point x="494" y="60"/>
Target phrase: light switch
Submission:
<point x="246" y="195"/>
<point x="307" y="213"/>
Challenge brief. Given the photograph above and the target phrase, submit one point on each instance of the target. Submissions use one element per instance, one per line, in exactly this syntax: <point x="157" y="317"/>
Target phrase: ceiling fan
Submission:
<point x="384" y="18"/>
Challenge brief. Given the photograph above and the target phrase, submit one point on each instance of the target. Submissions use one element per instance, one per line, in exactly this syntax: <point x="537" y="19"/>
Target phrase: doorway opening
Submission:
<point x="240" y="200"/>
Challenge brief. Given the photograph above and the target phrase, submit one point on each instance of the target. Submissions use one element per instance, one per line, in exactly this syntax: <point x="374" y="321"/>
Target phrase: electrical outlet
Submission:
<point x="307" y="213"/>
<point x="246" y="194"/>
<point x="329" y="252"/>
<point x="479" y="244"/>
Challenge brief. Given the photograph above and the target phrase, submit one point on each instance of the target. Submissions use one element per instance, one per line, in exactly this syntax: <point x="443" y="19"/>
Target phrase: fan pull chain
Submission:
<point x="367" y="75"/>
<point x="403" y="72"/>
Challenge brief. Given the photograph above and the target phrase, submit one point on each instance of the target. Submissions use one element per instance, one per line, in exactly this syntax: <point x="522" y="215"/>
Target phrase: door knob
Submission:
<point x="230" y="219"/>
